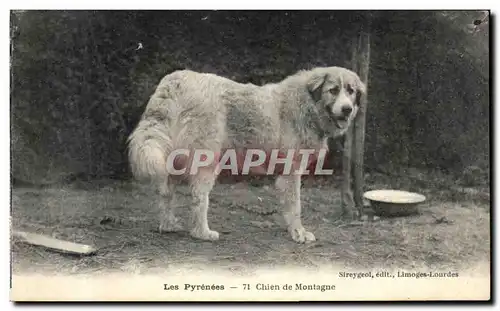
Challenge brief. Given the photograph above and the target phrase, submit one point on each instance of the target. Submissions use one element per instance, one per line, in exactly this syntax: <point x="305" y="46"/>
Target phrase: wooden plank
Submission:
<point x="54" y="244"/>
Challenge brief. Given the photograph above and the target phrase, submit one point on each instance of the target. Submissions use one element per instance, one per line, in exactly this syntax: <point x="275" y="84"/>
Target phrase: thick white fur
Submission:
<point x="192" y="110"/>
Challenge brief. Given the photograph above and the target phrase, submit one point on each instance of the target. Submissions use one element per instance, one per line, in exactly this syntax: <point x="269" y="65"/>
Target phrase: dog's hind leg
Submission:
<point x="201" y="185"/>
<point x="289" y="191"/>
<point x="167" y="205"/>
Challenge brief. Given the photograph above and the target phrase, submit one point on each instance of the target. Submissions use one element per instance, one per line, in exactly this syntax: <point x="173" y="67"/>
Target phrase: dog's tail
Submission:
<point x="152" y="141"/>
<point x="148" y="148"/>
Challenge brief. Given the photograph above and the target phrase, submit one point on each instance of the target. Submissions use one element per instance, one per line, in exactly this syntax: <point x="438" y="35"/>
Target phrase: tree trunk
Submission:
<point x="346" y="189"/>
<point x="360" y="121"/>
<point x="353" y="157"/>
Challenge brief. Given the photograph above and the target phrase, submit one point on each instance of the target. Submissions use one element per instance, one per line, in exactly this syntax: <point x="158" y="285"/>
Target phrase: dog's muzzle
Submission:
<point x="341" y="123"/>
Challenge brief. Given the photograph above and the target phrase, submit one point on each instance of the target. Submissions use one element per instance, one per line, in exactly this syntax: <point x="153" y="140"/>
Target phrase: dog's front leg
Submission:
<point x="289" y="192"/>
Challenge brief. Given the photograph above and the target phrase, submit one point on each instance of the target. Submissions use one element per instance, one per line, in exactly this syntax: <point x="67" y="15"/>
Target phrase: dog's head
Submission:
<point x="336" y="94"/>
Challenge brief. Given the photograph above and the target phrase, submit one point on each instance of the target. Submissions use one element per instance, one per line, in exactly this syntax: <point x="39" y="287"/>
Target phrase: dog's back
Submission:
<point x="200" y="110"/>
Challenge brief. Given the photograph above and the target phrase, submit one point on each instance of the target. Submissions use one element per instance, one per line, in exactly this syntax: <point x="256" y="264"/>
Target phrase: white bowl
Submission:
<point x="388" y="202"/>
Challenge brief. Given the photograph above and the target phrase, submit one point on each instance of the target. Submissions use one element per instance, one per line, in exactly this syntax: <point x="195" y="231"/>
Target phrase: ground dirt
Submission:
<point x="121" y="220"/>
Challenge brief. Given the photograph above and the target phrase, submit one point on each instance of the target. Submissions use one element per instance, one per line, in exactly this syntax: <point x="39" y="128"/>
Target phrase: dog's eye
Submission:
<point x="335" y="90"/>
<point x="350" y="90"/>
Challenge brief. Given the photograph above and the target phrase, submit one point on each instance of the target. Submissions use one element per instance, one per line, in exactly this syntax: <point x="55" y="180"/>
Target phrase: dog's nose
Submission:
<point x="346" y="110"/>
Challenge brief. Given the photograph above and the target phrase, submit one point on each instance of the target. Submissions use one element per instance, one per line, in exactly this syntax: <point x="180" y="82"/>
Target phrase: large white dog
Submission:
<point x="191" y="110"/>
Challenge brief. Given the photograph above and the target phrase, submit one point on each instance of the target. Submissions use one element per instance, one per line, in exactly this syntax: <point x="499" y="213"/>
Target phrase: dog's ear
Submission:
<point x="315" y="85"/>
<point x="361" y="91"/>
<point x="361" y="87"/>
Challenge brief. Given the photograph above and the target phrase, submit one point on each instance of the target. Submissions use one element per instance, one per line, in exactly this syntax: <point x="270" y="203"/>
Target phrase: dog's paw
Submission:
<point x="170" y="225"/>
<point x="207" y="235"/>
<point x="300" y="235"/>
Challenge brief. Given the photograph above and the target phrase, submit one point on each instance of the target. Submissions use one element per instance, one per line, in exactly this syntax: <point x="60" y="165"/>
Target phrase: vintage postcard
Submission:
<point x="250" y="155"/>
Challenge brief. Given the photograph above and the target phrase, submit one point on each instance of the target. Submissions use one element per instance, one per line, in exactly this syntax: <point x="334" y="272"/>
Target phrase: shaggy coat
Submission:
<point x="191" y="110"/>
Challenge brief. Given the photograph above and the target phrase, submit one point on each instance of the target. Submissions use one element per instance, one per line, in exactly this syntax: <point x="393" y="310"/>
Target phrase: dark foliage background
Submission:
<point x="79" y="83"/>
